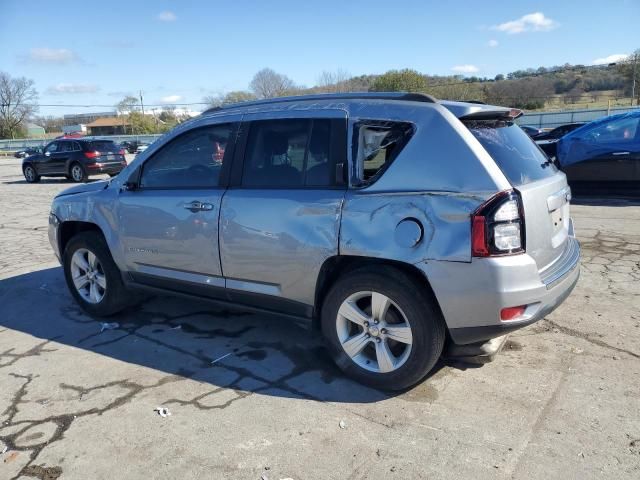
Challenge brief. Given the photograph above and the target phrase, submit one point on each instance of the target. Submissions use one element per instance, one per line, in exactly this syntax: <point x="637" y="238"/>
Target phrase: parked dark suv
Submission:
<point x="76" y="159"/>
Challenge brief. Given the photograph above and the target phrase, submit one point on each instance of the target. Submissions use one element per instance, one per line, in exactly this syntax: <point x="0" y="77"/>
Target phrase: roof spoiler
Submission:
<point x="502" y="114"/>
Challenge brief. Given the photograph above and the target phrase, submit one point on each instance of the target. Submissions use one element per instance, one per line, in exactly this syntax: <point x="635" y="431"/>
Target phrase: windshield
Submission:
<point x="519" y="158"/>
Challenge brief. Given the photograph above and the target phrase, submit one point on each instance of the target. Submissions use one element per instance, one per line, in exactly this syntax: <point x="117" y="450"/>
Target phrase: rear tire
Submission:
<point x="77" y="173"/>
<point x="30" y="174"/>
<point x="92" y="276"/>
<point x="402" y="340"/>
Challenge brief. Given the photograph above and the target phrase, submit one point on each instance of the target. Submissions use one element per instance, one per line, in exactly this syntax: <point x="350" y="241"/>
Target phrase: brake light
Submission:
<point x="93" y="154"/>
<point x="497" y="226"/>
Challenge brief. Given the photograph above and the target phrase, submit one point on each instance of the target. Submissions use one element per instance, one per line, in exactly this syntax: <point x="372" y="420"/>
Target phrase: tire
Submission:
<point x="410" y="305"/>
<point x="30" y="174"/>
<point x="77" y="173"/>
<point x="111" y="295"/>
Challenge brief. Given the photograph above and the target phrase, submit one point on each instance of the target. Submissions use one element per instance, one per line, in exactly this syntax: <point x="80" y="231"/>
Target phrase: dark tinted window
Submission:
<point x="519" y="158"/>
<point x="192" y="160"/>
<point x="52" y="147"/>
<point x="288" y="153"/>
<point x="102" y="146"/>
<point x="377" y="144"/>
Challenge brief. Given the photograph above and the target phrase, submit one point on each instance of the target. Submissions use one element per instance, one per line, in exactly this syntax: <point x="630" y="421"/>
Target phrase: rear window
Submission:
<point x="519" y="158"/>
<point x="102" y="146"/>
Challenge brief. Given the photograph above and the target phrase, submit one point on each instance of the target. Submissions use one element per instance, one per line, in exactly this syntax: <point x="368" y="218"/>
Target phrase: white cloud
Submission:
<point x="465" y="69"/>
<point x="532" y="22"/>
<point x="171" y="99"/>
<point x="616" y="57"/>
<point x="166" y="16"/>
<point x="71" y="88"/>
<point x="492" y="43"/>
<point x="60" y="56"/>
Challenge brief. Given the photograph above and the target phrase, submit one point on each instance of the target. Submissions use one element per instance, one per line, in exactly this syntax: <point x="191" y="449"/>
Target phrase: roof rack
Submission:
<point x="406" y="96"/>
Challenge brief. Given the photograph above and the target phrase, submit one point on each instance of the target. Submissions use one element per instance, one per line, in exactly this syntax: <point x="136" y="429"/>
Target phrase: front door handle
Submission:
<point x="621" y="153"/>
<point x="198" y="206"/>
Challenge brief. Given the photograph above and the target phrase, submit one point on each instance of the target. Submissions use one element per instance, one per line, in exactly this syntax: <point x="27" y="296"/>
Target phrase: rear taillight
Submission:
<point x="497" y="226"/>
<point x="94" y="154"/>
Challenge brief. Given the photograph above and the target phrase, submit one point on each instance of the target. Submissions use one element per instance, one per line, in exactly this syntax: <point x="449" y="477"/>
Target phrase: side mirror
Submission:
<point x="132" y="182"/>
<point x="47" y="154"/>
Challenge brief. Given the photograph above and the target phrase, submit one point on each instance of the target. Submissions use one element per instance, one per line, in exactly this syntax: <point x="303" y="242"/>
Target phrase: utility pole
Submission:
<point x="141" y="103"/>
<point x="633" y="82"/>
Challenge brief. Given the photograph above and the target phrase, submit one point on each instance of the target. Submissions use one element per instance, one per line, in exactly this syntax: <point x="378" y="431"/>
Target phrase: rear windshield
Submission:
<point x="519" y="158"/>
<point x="102" y="146"/>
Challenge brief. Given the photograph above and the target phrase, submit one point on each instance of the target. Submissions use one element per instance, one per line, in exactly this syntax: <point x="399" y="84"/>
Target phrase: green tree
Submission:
<point x="406" y="80"/>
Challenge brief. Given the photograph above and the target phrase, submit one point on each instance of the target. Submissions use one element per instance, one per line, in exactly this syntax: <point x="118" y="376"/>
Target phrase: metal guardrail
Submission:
<point x="556" y="118"/>
<point x="19" y="144"/>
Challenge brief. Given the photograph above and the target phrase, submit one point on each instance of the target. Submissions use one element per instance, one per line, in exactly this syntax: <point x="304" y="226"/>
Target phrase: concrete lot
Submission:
<point x="562" y="400"/>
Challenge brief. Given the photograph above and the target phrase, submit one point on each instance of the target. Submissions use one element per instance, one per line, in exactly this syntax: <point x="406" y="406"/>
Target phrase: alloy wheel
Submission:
<point x="374" y="331"/>
<point x="88" y="276"/>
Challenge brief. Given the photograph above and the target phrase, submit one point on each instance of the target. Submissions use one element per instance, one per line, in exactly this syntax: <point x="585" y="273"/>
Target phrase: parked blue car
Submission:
<point x="605" y="150"/>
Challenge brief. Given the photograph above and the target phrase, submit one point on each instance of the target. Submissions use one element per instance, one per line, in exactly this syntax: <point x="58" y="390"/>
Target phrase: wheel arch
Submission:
<point x="338" y="265"/>
<point x="68" y="229"/>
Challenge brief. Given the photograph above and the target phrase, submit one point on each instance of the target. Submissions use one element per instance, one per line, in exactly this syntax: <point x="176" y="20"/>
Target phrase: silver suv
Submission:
<point x="398" y="224"/>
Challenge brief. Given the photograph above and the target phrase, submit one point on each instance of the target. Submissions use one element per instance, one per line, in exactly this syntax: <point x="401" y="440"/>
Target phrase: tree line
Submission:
<point x="527" y="89"/>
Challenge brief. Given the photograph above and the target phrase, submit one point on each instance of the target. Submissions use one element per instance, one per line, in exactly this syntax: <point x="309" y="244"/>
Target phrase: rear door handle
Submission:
<point x="198" y="206"/>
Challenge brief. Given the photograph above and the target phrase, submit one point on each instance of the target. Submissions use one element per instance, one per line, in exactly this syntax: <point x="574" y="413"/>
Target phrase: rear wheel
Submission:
<point x="383" y="329"/>
<point x="30" y="174"/>
<point x="93" y="277"/>
<point x="77" y="173"/>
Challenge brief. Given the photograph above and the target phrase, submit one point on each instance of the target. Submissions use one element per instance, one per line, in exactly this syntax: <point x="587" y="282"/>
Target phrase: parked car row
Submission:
<point x="134" y="146"/>
<point x="27" y="152"/>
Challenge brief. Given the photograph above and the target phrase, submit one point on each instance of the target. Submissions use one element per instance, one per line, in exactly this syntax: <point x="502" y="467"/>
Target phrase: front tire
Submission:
<point x="77" y="173"/>
<point x="92" y="276"/>
<point x="383" y="328"/>
<point x="30" y="174"/>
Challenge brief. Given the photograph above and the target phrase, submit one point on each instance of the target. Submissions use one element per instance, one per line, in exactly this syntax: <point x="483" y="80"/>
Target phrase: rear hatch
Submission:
<point x="543" y="188"/>
<point x="107" y="151"/>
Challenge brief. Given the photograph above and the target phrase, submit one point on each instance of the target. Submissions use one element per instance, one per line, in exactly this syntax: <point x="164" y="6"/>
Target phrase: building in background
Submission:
<point x="109" y="126"/>
<point x="79" y="128"/>
<point x="34" y="131"/>
<point x="85" y="118"/>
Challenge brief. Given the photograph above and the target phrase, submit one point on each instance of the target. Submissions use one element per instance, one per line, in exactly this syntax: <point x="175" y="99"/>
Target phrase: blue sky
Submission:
<point x="179" y="51"/>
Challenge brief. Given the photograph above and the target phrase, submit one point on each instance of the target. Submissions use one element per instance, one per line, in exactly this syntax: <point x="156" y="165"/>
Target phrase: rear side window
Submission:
<point x="291" y="153"/>
<point x="102" y="146"/>
<point x="519" y="158"/>
<point x="376" y="145"/>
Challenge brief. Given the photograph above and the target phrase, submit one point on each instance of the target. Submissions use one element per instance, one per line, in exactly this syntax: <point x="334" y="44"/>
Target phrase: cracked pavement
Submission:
<point x="253" y="395"/>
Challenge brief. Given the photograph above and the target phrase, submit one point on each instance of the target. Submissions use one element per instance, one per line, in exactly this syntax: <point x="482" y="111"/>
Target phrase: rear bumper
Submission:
<point x="99" y="168"/>
<point x="472" y="295"/>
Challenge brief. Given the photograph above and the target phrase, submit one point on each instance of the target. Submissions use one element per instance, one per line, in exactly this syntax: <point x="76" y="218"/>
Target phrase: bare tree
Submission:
<point x="268" y="84"/>
<point x="334" y="82"/>
<point x="17" y="102"/>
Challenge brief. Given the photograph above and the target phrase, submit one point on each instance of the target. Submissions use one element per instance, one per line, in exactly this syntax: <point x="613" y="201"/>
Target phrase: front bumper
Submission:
<point x="54" y="227"/>
<point x="472" y="295"/>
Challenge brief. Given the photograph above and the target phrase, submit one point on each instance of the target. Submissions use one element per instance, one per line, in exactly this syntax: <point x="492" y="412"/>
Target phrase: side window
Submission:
<point x="76" y="147"/>
<point x="289" y="153"/>
<point x="193" y="160"/>
<point x="66" y="147"/>
<point x="377" y="144"/>
<point x="621" y="130"/>
<point x="52" y="148"/>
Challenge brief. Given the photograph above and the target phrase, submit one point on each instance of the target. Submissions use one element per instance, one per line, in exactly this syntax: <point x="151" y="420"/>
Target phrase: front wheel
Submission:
<point x="383" y="328"/>
<point x="78" y="173"/>
<point x="93" y="277"/>
<point x="30" y="174"/>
